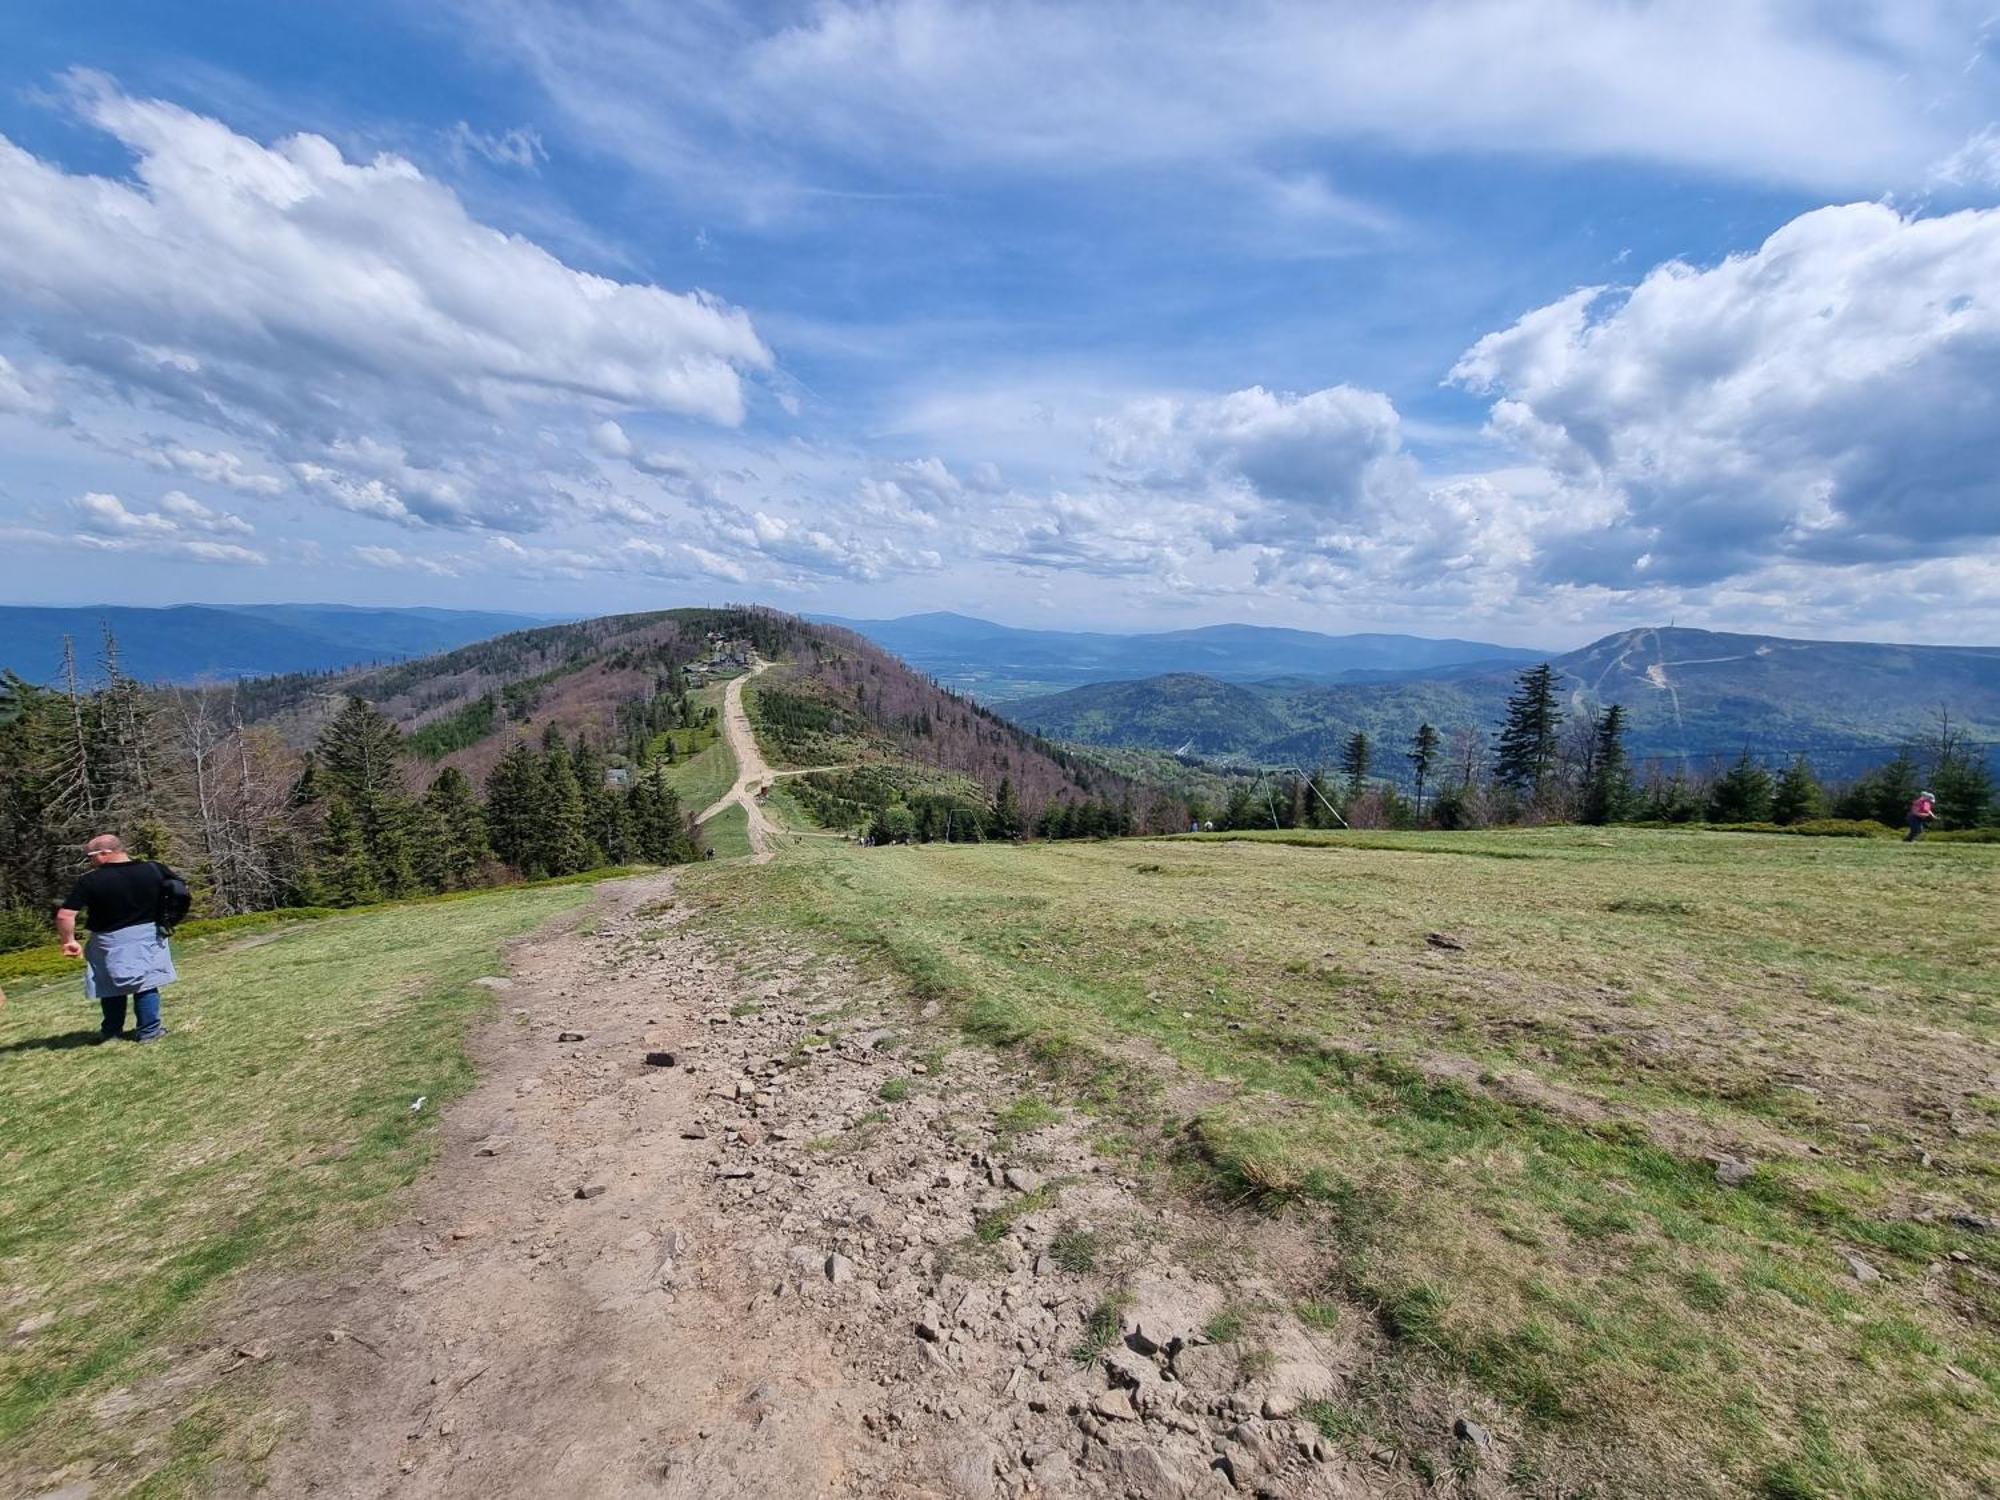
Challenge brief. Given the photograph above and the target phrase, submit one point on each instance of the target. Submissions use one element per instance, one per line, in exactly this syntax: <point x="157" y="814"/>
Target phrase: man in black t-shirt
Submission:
<point x="127" y="955"/>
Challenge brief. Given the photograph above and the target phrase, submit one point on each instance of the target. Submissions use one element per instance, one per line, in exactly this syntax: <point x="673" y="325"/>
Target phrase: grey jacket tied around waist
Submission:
<point x="126" y="961"/>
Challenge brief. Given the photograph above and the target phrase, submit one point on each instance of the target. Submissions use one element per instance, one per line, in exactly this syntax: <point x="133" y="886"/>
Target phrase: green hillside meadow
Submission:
<point x="1509" y="1140"/>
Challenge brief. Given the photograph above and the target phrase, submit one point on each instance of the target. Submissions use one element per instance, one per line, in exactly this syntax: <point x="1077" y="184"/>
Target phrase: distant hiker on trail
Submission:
<point x="128" y="905"/>
<point x="1922" y="810"/>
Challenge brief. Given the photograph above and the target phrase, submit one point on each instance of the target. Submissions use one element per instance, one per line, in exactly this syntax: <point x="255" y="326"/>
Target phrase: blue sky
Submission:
<point x="1521" y="320"/>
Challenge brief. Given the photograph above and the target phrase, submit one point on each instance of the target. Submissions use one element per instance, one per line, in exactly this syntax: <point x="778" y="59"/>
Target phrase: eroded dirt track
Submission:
<point x="749" y="1273"/>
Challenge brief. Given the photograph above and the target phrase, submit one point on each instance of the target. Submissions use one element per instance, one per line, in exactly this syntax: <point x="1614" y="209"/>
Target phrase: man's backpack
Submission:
<point x="175" y="899"/>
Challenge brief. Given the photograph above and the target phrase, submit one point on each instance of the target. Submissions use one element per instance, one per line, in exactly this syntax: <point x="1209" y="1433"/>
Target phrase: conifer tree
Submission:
<point x="562" y="835"/>
<point x="359" y="761"/>
<point x="1607" y="796"/>
<point x="1354" y="759"/>
<point x="1798" y="797"/>
<point x="604" y="810"/>
<point x="1526" y="751"/>
<point x="1005" y="823"/>
<point x="454" y="851"/>
<point x="1742" y="794"/>
<point x="346" y="873"/>
<point x="1422" y="757"/>
<point x="515" y="792"/>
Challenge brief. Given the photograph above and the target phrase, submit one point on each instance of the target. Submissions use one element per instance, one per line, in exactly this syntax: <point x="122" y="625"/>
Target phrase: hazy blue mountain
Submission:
<point x="999" y="662"/>
<point x="186" y="642"/>
<point x="1699" y="694"/>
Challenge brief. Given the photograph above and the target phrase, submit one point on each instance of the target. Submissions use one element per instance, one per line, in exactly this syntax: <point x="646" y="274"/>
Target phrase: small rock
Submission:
<point x="27" y="1328"/>
<point x="1021" y="1180"/>
<point x="1731" y="1172"/>
<point x="1236" y="1467"/>
<point x="1115" y="1406"/>
<point x="492" y="1146"/>
<point x="694" y="1130"/>
<point x="1444" y="940"/>
<point x="839" y="1269"/>
<point x="1976" y="1223"/>
<point x="749" y="1133"/>
<point x="1864" y="1273"/>
<point x="570" y="1036"/>
<point x="1468" y="1431"/>
<point x="256" y="1351"/>
<point x="660" y="1059"/>
<point x="592" y="1190"/>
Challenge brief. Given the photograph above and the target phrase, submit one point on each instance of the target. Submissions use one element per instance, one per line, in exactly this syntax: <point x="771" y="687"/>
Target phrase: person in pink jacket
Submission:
<point x="1922" y="810"/>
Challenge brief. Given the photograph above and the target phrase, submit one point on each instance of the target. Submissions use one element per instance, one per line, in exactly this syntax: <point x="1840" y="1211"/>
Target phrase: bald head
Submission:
<point x="105" y="849"/>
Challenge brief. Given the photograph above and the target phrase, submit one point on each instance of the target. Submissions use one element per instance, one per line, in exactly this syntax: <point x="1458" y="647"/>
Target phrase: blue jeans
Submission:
<point x="146" y="1009"/>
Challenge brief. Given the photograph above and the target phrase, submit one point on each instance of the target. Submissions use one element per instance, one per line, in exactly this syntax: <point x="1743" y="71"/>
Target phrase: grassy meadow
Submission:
<point x="275" y="1121"/>
<point x="1508" y="1139"/>
<point x="706" y="769"/>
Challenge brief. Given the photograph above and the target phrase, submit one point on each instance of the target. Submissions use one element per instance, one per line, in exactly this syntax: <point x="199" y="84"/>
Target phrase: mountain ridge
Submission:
<point x="997" y="663"/>
<point x="1688" y="694"/>
<point x="193" y="642"/>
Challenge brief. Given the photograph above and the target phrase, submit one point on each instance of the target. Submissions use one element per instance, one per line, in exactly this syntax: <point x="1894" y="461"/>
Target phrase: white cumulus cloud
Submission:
<point x="1832" y="396"/>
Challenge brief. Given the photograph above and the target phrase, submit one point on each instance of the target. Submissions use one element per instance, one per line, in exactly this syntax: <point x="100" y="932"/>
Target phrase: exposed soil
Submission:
<point x="755" y="1272"/>
<point x="753" y="773"/>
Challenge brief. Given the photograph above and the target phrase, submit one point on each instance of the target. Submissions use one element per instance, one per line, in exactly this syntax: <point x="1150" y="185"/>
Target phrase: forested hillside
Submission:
<point x="542" y="752"/>
<point x="1691" y="698"/>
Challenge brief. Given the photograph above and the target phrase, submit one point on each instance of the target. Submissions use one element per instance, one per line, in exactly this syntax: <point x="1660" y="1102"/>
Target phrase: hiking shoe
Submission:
<point x="153" y="1036"/>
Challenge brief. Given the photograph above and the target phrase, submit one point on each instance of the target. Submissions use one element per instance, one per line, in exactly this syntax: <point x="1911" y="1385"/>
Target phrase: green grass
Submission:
<point x="275" y="1121"/>
<point x="702" y="779"/>
<point x="895" y="1090"/>
<point x="728" y="832"/>
<point x="1100" y="1330"/>
<point x="1503" y="1143"/>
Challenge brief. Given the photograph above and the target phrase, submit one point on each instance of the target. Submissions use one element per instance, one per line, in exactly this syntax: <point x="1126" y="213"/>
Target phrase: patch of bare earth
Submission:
<point x="743" y="1272"/>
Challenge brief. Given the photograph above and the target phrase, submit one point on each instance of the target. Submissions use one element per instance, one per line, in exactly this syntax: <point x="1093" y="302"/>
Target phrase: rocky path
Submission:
<point x="748" y="1227"/>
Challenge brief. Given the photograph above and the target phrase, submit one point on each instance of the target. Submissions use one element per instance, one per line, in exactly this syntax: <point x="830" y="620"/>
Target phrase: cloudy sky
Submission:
<point x="1518" y="319"/>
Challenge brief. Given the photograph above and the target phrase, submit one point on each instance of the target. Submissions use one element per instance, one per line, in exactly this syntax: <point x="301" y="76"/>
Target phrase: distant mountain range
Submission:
<point x="196" y="642"/>
<point x="1696" y="694"/>
<point x="995" y="663"/>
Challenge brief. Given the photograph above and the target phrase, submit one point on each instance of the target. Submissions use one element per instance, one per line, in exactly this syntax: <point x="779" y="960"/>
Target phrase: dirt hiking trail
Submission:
<point x="753" y="772"/>
<point x="802" y="1258"/>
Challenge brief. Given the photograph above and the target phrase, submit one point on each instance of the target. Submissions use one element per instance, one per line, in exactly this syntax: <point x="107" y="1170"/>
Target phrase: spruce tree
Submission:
<point x="1526" y="752"/>
<point x="1354" y="758"/>
<point x="346" y="873"/>
<point x="1798" y="797"/>
<point x="1742" y="794"/>
<point x="516" y="789"/>
<point x="454" y="851"/>
<point x="562" y="834"/>
<point x="1608" y="794"/>
<point x="1964" y="790"/>
<point x="1423" y="755"/>
<point x="359" y="761"/>
<point x="1005" y="822"/>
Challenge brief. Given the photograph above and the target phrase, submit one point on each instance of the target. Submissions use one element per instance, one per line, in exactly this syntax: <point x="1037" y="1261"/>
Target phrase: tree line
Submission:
<point x="254" y="824"/>
<point x="1545" y="764"/>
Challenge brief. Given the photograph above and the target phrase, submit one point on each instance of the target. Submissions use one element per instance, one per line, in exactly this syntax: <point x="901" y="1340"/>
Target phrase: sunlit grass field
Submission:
<point x="1506" y="1136"/>
<point x="276" y="1120"/>
<point x="708" y="774"/>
